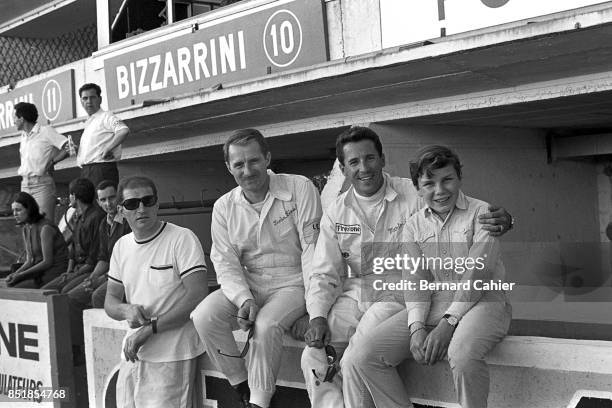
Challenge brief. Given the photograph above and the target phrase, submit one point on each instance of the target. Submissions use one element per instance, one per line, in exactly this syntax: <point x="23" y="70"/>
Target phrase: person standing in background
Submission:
<point x="100" y="145"/>
<point x="40" y="149"/>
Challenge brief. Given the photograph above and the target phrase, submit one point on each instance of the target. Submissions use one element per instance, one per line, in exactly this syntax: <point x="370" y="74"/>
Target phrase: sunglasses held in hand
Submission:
<point x="134" y="203"/>
<point x="332" y="364"/>
<point x="245" y="350"/>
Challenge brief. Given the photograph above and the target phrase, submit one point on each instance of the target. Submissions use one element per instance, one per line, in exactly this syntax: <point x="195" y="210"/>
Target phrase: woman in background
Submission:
<point x="46" y="250"/>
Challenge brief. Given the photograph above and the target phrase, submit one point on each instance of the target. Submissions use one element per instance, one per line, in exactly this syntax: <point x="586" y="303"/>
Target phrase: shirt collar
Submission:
<point x="118" y="218"/>
<point x="461" y="204"/>
<point x="98" y="113"/>
<point x="277" y="189"/>
<point x="34" y="131"/>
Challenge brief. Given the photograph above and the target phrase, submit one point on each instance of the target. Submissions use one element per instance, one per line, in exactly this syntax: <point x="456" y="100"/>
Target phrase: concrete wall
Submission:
<point x="353" y="27"/>
<point x="525" y="371"/>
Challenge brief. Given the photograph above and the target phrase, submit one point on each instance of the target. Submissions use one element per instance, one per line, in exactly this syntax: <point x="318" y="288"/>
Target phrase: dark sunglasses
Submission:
<point x="245" y="350"/>
<point x="134" y="203"/>
<point x="332" y="364"/>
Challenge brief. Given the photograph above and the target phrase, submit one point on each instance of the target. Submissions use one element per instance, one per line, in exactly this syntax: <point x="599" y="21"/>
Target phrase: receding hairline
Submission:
<point x="243" y="143"/>
<point x="136" y="186"/>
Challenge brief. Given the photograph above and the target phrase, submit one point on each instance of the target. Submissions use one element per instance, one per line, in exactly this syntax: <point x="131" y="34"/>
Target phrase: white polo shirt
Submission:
<point x="37" y="148"/>
<point x="151" y="273"/>
<point x="100" y="128"/>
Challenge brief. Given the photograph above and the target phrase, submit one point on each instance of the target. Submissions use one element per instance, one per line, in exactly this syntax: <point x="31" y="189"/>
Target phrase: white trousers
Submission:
<point x="371" y="359"/>
<point x="214" y="323"/>
<point x="345" y="320"/>
<point x="43" y="190"/>
<point x="159" y="385"/>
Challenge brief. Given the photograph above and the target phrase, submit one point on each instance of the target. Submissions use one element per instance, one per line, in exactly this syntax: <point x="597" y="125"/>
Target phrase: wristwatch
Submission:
<point x="452" y="320"/>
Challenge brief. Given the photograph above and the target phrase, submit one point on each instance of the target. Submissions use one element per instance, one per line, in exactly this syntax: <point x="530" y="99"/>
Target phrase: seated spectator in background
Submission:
<point x="157" y="276"/>
<point x="100" y="145"/>
<point x="40" y="148"/>
<point x="46" y="251"/>
<point x="85" y="239"/>
<point x="111" y="228"/>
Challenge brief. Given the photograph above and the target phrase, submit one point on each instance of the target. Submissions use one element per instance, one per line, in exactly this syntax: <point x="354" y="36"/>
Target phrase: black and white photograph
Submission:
<point x="305" y="203"/>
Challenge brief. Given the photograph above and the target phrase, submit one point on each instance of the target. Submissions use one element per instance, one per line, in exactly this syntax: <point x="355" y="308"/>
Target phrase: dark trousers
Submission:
<point x="97" y="172"/>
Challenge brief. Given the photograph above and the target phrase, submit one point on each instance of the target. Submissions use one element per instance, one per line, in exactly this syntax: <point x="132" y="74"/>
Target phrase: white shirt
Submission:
<point x="268" y="250"/>
<point x="100" y="128"/>
<point x="459" y="237"/>
<point x="345" y="235"/>
<point x="371" y="207"/>
<point x="37" y="149"/>
<point x="151" y="273"/>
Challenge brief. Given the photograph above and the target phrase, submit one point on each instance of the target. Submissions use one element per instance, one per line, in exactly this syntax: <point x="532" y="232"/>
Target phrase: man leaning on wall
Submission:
<point x="156" y="277"/>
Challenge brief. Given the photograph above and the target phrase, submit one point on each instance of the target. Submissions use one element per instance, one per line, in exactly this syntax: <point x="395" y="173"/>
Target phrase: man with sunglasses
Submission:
<point x="263" y="233"/>
<point x="160" y="269"/>
<point x="341" y="300"/>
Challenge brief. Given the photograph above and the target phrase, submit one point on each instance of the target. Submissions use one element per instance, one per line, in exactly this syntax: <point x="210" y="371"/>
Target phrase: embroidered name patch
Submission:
<point x="348" y="229"/>
<point x="398" y="227"/>
<point x="284" y="217"/>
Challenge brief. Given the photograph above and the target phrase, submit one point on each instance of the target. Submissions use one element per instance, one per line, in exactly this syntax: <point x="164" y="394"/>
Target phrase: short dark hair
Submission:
<point x="89" y="86"/>
<point x="83" y="190"/>
<point x="29" y="203"/>
<point x="133" y="182"/>
<point x="243" y="136"/>
<point x="431" y="158"/>
<point x="27" y="111"/>
<point x="104" y="184"/>
<point x="356" y="134"/>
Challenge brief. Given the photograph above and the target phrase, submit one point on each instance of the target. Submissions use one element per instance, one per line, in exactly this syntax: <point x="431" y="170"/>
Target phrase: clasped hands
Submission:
<point x="428" y="348"/>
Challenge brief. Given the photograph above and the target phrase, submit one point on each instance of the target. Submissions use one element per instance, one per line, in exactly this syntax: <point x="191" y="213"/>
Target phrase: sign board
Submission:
<point x="53" y="97"/>
<point x="254" y="43"/>
<point x="405" y="22"/>
<point x="34" y="332"/>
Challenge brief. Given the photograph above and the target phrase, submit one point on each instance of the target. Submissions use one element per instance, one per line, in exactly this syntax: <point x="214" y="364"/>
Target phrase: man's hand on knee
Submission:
<point x="300" y="327"/>
<point x="247" y="314"/>
<point x="318" y="334"/>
